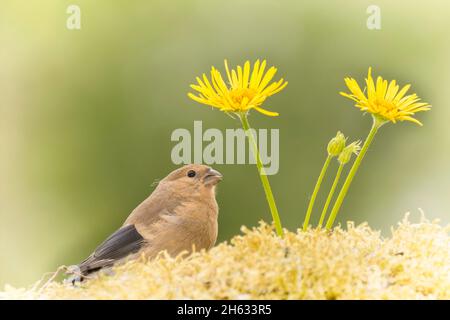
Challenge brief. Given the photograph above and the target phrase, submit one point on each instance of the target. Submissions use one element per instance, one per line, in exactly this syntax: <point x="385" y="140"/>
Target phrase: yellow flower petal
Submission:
<point x="266" y="112"/>
<point x="228" y="72"/>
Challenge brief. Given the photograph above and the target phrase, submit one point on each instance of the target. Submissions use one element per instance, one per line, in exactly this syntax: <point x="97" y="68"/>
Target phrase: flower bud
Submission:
<point x="346" y="154"/>
<point x="336" y="145"/>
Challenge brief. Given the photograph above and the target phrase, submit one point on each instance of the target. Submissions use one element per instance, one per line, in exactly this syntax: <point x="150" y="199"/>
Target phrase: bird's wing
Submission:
<point x="125" y="241"/>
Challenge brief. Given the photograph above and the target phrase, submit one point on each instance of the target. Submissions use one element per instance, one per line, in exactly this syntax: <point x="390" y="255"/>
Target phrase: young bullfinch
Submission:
<point x="180" y="213"/>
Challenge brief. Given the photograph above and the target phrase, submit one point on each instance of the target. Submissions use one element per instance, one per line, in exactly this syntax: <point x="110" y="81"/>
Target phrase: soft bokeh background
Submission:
<point x="86" y="116"/>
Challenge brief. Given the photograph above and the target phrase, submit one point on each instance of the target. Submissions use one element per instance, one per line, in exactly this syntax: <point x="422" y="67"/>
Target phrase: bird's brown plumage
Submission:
<point x="180" y="214"/>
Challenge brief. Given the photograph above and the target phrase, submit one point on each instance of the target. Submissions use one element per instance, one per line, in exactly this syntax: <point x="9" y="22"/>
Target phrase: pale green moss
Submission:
<point x="414" y="263"/>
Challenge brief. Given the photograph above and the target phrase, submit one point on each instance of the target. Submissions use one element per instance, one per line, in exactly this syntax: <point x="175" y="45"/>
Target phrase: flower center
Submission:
<point x="386" y="108"/>
<point x="237" y="95"/>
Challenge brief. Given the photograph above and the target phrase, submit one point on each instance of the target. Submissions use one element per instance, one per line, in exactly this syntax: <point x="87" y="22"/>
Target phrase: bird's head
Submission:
<point x="194" y="177"/>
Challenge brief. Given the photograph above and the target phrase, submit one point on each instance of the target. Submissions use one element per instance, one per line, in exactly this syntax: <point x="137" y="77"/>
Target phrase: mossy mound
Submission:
<point x="357" y="263"/>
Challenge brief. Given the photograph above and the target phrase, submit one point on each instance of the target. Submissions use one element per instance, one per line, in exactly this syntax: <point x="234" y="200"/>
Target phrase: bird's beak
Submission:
<point x="212" y="177"/>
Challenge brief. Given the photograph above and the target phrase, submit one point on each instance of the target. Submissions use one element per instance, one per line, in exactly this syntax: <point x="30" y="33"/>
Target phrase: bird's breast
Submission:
<point x="191" y="225"/>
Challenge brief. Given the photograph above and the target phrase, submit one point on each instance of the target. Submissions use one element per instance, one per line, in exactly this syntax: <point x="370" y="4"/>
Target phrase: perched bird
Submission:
<point x="180" y="214"/>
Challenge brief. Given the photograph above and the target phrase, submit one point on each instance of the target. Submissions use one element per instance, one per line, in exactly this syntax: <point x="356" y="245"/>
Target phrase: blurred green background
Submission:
<point x="86" y="115"/>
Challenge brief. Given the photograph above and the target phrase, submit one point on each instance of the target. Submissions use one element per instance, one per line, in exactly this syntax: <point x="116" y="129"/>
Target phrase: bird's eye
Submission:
<point x="191" y="173"/>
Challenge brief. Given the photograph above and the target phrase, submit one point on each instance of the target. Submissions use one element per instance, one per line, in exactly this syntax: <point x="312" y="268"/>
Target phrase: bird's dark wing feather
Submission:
<point x="120" y="244"/>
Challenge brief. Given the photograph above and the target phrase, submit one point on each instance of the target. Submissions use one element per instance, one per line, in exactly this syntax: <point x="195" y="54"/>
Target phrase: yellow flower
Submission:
<point x="385" y="101"/>
<point x="246" y="89"/>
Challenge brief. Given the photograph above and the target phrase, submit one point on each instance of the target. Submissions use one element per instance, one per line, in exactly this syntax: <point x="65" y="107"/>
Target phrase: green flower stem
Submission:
<point x="316" y="190"/>
<point x="264" y="180"/>
<point x="331" y="194"/>
<point x="377" y="123"/>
